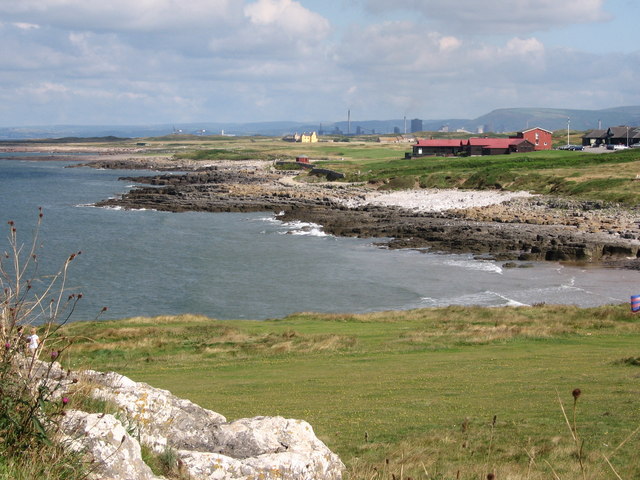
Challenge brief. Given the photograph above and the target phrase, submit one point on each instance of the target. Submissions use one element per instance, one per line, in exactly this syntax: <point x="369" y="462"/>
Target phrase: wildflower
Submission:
<point x="65" y="400"/>
<point x="54" y="354"/>
<point x="7" y="345"/>
<point x="576" y="393"/>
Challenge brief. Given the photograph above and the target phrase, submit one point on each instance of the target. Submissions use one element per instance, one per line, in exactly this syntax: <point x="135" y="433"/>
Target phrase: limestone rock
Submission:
<point x="114" y="454"/>
<point x="211" y="448"/>
<point x="250" y="437"/>
<point x="161" y="418"/>
<point x="282" y="466"/>
<point x="207" y="446"/>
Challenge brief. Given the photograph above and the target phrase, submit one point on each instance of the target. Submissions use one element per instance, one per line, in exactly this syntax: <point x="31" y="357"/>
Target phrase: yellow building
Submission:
<point x="309" y="137"/>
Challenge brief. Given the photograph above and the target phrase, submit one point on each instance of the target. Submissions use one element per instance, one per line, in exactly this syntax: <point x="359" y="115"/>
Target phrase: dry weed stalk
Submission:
<point x="31" y="400"/>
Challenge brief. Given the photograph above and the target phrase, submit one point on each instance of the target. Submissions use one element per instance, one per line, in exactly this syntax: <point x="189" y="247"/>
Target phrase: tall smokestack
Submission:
<point x="349" y="122"/>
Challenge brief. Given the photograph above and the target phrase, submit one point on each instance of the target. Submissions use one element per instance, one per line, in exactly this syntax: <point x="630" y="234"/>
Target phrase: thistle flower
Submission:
<point x="7" y="345"/>
<point x="54" y="354"/>
<point x="576" y="393"/>
<point x="65" y="400"/>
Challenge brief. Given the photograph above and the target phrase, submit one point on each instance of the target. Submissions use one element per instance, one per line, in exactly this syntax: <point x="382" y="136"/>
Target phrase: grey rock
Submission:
<point x="161" y="418"/>
<point x="113" y="453"/>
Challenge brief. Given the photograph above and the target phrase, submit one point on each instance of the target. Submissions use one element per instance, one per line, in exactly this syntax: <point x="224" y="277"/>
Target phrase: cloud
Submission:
<point x="288" y="17"/>
<point x="397" y="49"/>
<point x="497" y="16"/>
<point x="246" y="60"/>
<point x="278" y="29"/>
<point x="411" y="70"/>
<point x="120" y="15"/>
<point x="26" y="26"/>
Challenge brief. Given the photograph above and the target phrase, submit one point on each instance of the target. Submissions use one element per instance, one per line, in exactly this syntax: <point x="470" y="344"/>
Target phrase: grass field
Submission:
<point x="610" y="177"/>
<point x="437" y="393"/>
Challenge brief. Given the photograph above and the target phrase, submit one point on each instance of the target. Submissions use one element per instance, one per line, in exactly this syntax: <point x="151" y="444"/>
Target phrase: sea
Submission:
<point x="250" y="265"/>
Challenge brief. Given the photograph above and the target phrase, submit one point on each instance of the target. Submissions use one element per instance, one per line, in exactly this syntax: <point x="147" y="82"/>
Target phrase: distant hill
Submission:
<point x="498" y="121"/>
<point x="512" y="119"/>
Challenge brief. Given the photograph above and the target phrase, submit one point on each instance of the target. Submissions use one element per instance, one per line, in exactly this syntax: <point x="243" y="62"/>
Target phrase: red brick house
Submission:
<point x="539" y="137"/>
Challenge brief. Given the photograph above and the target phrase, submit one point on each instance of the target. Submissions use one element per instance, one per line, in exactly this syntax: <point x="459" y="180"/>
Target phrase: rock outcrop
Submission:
<point x="112" y="453"/>
<point x="205" y="445"/>
<point x="528" y="229"/>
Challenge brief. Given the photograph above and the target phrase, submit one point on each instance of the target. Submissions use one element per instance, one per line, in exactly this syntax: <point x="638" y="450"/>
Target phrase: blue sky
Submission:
<point x="174" y="61"/>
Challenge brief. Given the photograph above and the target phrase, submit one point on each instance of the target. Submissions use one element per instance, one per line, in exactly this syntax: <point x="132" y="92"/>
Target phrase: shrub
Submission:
<point x="31" y="403"/>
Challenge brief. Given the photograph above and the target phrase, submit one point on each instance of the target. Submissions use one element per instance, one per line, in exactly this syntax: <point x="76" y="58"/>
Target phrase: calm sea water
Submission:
<point x="250" y="265"/>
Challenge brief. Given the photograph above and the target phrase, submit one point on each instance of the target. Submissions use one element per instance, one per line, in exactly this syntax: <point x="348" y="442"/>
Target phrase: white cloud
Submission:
<point x="449" y="44"/>
<point x="144" y="61"/>
<point x="288" y="17"/>
<point x="410" y="70"/>
<point x="278" y="29"/>
<point x="399" y="48"/>
<point x="498" y="16"/>
<point x="26" y="26"/>
<point x="120" y="15"/>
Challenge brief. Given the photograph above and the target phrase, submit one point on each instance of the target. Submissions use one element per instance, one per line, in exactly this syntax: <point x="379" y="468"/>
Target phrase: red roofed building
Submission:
<point x="539" y="137"/>
<point x="498" y="146"/>
<point x="443" y="146"/>
<point x="472" y="146"/>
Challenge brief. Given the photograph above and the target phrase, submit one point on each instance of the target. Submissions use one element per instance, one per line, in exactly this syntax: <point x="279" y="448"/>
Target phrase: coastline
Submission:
<point x="490" y="224"/>
<point x="498" y="225"/>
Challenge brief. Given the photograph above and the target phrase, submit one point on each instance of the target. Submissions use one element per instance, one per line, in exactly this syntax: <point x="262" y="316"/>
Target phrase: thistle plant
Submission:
<point x="31" y="393"/>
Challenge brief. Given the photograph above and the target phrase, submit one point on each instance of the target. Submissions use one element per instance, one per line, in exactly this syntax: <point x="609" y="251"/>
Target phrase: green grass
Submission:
<point x="399" y="386"/>
<point x="607" y="177"/>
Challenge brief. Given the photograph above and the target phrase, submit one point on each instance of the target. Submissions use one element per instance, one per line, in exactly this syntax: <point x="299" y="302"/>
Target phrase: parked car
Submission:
<point x="620" y="147"/>
<point x="575" y="147"/>
<point x="635" y="145"/>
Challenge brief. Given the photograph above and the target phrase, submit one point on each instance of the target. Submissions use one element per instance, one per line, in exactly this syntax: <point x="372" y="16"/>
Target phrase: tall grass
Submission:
<point x="30" y="404"/>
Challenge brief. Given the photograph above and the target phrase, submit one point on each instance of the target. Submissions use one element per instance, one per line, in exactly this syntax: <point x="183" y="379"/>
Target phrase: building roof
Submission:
<point x="614" y="132"/>
<point x="474" y="141"/>
<point x="495" y="142"/>
<point x="536" y="128"/>
<point x="596" y="134"/>
<point x="439" y="142"/>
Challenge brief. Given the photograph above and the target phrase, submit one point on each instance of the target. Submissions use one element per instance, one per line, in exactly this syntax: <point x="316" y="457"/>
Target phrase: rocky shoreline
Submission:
<point x="487" y="224"/>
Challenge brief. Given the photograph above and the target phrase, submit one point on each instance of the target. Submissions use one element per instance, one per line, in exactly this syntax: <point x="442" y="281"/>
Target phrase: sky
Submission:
<point x="124" y="62"/>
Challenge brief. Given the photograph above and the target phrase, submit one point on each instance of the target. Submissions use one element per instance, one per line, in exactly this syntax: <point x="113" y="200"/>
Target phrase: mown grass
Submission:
<point x="413" y="392"/>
